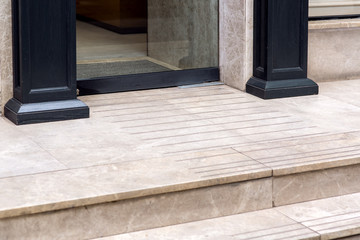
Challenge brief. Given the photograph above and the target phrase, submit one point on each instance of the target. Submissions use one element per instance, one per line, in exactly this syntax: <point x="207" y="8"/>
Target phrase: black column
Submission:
<point x="280" y="50"/>
<point x="44" y="33"/>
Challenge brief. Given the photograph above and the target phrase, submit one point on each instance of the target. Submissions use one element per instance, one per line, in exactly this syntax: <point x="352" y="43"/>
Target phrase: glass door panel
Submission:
<point x="127" y="37"/>
<point x="322" y="8"/>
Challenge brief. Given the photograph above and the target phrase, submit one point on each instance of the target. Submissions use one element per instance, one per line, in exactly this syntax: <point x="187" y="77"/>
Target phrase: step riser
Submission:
<point x="301" y="187"/>
<point x="357" y="237"/>
<point x="142" y="213"/>
<point x="330" y="218"/>
<point x="181" y="207"/>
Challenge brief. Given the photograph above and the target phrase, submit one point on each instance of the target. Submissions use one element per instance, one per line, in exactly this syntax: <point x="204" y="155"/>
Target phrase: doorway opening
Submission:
<point x="127" y="45"/>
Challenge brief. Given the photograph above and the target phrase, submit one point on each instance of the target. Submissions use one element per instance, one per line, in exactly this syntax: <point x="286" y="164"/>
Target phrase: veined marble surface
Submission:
<point x="140" y="213"/>
<point x="334" y="50"/>
<point x="143" y="143"/>
<point x="184" y="33"/>
<point x="6" y="75"/>
<point x="236" y="42"/>
<point x="314" y="185"/>
<point x="331" y="218"/>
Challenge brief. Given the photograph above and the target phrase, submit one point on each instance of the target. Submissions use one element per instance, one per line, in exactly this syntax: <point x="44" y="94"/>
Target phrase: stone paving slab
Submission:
<point x="150" y="142"/>
<point x="331" y="218"/>
<point x="107" y="183"/>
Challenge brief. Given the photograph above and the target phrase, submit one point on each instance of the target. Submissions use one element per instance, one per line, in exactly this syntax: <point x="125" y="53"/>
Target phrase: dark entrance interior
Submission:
<point x="127" y="45"/>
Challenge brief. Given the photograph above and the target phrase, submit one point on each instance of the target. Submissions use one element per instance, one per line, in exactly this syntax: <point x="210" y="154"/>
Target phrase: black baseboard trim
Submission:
<point x="147" y="81"/>
<point x="281" y="88"/>
<point x="30" y="113"/>
<point x="134" y="30"/>
<point x="321" y="18"/>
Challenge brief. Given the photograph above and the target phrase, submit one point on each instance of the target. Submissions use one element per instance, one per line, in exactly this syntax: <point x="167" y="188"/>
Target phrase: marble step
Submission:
<point x="331" y="218"/>
<point x="104" y="200"/>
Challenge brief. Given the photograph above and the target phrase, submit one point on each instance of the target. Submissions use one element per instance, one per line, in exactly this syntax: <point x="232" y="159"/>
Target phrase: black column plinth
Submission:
<point x="20" y="113"/>
<point x="280" y="50"/>
<point x="44" y="55"/>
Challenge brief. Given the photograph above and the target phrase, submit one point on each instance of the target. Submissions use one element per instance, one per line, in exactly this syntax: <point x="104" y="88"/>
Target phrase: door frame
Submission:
<point x="142" y="81"/>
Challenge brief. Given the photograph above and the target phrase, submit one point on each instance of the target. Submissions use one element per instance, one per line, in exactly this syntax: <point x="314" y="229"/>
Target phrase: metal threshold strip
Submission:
<point x="145" y="81"/>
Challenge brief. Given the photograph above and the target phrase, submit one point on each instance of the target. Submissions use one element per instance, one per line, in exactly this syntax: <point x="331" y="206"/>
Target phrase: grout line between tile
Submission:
<point x="312" y="230"/>
<point x="270" y="168"/>
<point x="250" y="143"/>
<point x="236" y="136"/>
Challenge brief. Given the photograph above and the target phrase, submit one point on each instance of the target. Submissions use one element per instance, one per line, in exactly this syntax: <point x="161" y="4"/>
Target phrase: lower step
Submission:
<point x="132" y="196"/>
<point x="140" y="213"/>
<point x="331" y="218"/>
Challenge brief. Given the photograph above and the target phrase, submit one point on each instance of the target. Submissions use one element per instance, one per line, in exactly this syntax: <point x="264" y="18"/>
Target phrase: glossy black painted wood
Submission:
<point x="319" y="18"/>
<point x="147" y="81"/>
<point x="280" y="50"/>
<point x="28" y="113"/>
<point x="44" y="62"/>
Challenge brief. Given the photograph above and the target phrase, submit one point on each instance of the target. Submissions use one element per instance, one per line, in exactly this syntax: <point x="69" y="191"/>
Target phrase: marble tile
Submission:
<point x="334" y="54"/>
<point x="184" y="33"/>
<point x="79" y="187"/>
<point x="142" y="213"/>
<point x="308" y="108"/>
<point x="307" y="154"/>
<point x="266" y="224"/>
<point x="97" y="43"/>
<point x="236" y="42"/>
<point x="333" y="218"/>
<point x="355" y="237"/>
<point x="316" y="185"/>
<point x="83" y="143"/>
<point x="6" y="76"/>
<point x="114" y="160"/>
<point x="19" y="155"/>
<point x="335" y="90"/>
<point x="175" y="121"/>
<point x="31" y="160"/>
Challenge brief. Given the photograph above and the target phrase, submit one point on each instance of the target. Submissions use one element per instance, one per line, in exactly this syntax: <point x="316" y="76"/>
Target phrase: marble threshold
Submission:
<point x="335" y="24"/>
<point x="331" y="218"/>
<point x="149" y="144"/>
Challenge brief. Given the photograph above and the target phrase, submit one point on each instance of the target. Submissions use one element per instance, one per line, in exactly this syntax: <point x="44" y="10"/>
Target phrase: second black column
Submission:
<point x="280" y="50"/>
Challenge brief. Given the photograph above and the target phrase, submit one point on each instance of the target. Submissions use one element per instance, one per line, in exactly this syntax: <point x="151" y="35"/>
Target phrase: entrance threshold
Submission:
<point x="147" y="81"/>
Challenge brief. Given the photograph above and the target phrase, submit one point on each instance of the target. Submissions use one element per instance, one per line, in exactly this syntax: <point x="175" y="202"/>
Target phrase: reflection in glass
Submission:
<point x="120" y="37"/>
<point x="323" y="8"/>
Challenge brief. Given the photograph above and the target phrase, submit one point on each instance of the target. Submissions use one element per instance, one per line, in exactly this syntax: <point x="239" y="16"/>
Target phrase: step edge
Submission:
<point x="114" y="197"/>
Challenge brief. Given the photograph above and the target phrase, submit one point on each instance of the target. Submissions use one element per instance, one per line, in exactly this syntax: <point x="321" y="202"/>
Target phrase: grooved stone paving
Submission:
<point x="148" y="145"/>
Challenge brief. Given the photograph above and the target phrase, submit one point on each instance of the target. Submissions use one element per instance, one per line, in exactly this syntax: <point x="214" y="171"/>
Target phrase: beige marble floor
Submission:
<point x="95" y="43"/>
<point x="149" y="142"/>
<point x="331" y="218"/>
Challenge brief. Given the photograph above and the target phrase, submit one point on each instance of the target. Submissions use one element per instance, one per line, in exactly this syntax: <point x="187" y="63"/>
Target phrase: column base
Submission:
<point x="281" y="88"/>
<point x="29" y="113"/>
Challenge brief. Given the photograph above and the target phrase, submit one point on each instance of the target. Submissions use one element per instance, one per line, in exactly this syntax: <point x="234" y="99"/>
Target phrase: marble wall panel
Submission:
<point x="236" y="42"/>
<point x="141" y="213"/>
<point x="315" y="185"/>
<point x="184" y="33"/>
<point x="6" y="89"/>
<point x="334" y="54"/>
